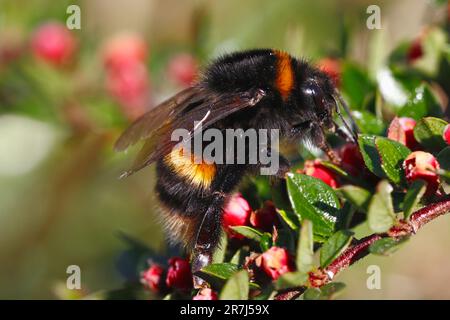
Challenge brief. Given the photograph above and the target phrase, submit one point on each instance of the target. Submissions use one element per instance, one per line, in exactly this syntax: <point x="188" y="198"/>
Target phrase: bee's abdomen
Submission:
<point x="183" y="200"/>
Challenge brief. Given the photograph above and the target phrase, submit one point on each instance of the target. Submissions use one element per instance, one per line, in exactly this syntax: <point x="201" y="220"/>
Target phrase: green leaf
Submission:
<point x="428" y="132"/>
<point x="221" y="271"/>
<point x="219" y="254"/>
<point x="266" y="241"/>
<point x="370" y="154"/>
<point x="327" y="292"/>
<point x="334" y="246"/>
<point x="356" y="85"/>
<point x="368" y="123"/>
<point x="357" y="196"/>
<point x="237" y="287"/>
<point x="412" y="197"/>
<point x="422" y="103"/>
<point x="314" y="200"/>
<point x="248" y="232"/>
<point x="381" y="216"/>
<point x="291" y="280"/>
<point x="290" y="218"/>
<point x="386" y="246"/>
<point x="392" y="154"/>
<point x="444" y="159"/>
<point x="305" y="252"/>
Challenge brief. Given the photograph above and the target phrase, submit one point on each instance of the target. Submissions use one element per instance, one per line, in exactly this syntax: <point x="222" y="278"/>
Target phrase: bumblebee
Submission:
<point x="260" y="89"/>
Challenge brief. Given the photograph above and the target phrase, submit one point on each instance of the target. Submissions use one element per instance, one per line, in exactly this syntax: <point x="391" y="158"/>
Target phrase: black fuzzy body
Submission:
<point x="192" y="214"/>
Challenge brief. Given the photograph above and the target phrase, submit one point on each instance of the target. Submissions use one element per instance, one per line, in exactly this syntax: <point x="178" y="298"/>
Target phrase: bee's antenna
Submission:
<point x="353" y="129"/>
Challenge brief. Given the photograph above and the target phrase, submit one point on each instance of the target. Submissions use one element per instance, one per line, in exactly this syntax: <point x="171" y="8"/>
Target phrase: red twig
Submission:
<point x="359" y="249"/>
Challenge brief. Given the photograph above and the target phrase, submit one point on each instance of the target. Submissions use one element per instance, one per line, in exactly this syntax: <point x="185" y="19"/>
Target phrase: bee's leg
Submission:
<point x="321" y="142"/>
<point x="208" y="237"/>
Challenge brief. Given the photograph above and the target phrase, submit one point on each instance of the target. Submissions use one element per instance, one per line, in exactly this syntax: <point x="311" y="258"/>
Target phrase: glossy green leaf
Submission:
<point x="370" y="154"/>
<point x="428" y="132"/>
<point x="314" y="200"/>
<point x="266" y="241"/>
<point x="305" y="252"/>
<point x="334" y="246"/>
<point x="391" y="155"/>
<point x="415" y="192"/>
<point x="381" y="216"/>
<point x="237" y="287"/>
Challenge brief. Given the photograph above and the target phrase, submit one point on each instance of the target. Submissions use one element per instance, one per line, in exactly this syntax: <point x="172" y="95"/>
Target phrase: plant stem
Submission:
<point x="360" y="248"/>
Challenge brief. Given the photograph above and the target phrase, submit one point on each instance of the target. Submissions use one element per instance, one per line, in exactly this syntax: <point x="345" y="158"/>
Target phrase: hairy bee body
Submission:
<point x="296" y="100"/>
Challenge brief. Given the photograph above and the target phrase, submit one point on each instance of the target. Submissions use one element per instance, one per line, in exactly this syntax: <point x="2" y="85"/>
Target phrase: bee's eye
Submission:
<point x="315" y="94"/>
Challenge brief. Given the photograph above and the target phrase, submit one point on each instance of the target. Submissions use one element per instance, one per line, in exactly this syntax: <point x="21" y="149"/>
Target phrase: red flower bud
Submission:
<point x="422" y="165"/>
<point x="351" y="159"/>
<point x="53" y="43"/>
<point x="402" y="130"/>
<point x="152" y="278"/>
<point x="205" y="294"/>
<point x="446" y="134"/>
<point x="236" y="213"/>
<point x="318" y="170"/>
<point x="182" y="69"/>
<point x="264" y="218"/>
<point x="179" y="274"/>
<point x="124" y="50"/>
<point x="332" y="67"/>
<point x="275" y="262"/>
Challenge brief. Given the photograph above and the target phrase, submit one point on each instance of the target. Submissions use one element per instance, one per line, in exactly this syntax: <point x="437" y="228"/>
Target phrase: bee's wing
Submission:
<point x="205" y="108"/>
<point x="152" y="121"/>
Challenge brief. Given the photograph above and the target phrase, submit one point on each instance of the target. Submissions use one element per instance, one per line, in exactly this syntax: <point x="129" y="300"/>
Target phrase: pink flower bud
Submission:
<point x="446" y="134"/>
<point x="264" y="218"/>
<point x="332" y="67"/>
<point x="402" y="130"/>
<point x="124" y="50"/>
<point x="422" y="165"/>
<point x="275" y="262"/>
<point x="152" y="278"/>
<point x="53" y="43"/>
<point x="236" y="213"/>
<point x="179" y="274"/>
<point x="318" y="170"/>
<point x="205" y="294"/>
<point x="182" y="69"/>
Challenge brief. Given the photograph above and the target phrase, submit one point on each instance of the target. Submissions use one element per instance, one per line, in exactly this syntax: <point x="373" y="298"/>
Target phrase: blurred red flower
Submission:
<point x="179" y="274"/>
<point x="53" y="43"/>
<point x="332" y="67"/>
<point x="182" y="69"/>
<point x="153" y="278"/>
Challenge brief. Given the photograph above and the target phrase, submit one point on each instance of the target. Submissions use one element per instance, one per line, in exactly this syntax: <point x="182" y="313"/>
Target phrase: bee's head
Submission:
<point x="318" y="95"/>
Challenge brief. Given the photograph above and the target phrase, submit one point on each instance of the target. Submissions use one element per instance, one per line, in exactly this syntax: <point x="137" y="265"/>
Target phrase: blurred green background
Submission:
<point x="60" y="200"/>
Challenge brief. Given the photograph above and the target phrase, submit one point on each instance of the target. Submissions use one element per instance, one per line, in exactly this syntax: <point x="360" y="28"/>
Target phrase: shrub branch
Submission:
<point x="360" y="248"/>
